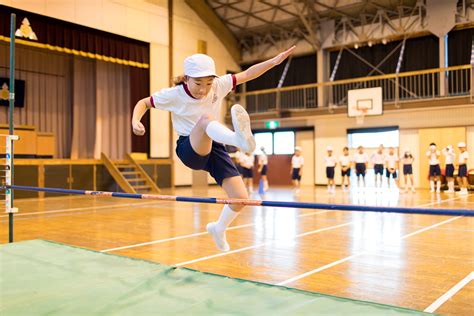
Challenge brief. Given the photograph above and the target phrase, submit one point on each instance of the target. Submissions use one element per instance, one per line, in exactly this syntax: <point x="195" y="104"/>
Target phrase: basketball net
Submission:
<point x="360" y="117"/>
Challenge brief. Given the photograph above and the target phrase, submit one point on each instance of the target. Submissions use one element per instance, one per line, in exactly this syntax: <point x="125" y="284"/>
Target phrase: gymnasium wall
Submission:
<point x="146" y="21"/>
<point x="332" y="130"/>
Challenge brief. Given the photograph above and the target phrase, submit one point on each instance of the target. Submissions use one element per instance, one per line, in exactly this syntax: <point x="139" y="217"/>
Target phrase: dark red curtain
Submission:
<point x="73" y="36"/>
<point x="139" y="89"/>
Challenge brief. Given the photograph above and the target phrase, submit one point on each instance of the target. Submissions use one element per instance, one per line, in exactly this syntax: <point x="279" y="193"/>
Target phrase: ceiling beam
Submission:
<point x="208" y="16"/>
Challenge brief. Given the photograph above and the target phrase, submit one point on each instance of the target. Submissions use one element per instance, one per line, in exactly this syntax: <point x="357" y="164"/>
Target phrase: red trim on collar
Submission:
<point x="152" y="102"/>
<point x="234" y="82"/>
<point x="185" y="87"/>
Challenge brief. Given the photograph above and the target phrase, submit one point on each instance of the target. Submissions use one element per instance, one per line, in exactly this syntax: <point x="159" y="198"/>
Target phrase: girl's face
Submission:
<point x="199" y="87"/>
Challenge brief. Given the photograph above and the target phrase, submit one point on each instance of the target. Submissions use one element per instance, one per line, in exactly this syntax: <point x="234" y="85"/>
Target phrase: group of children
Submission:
<point x="245" y="163"/>
<point x="388" y="163"/>
<point x="433" y="155"/>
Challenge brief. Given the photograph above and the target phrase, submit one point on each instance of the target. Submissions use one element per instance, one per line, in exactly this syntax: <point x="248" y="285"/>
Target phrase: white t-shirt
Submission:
<point x="345" y="160"/>
<point x="433" y="157"/>
<point x="407" y="160"/>
<point x="297" y="162"/>
<point x="462" y="157"/>
<point x="450" y="156"/>
<point x="247" y="161"/>
<point x="185" y="109"/>
<point x="391" y="161"/>
<point x="263" y="159"/>
<point x="377" y="159"/>
<point x="330" y="161"/>
<point x="361" y="158"/>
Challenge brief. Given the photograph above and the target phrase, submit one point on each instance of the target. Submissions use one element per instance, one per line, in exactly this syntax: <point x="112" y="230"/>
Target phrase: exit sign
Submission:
<point x="272" y="124"/>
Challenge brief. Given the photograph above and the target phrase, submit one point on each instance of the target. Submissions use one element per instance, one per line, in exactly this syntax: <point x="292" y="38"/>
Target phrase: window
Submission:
<point x="373" y="137"/>
<point x="284" y="143"/>
<point x="275" y="143"/>
<point x="264" y="140"/>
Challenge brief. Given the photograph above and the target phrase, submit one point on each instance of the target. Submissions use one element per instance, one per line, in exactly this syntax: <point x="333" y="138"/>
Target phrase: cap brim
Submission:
<point x="202" y="74"/>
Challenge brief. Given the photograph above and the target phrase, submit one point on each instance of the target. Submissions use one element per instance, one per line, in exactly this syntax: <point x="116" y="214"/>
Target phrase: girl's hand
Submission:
<point x="278" y="59"/>
<point x="138" y="128"/>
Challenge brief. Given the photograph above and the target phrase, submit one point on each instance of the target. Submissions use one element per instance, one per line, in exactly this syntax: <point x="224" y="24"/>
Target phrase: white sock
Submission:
<point x="221" y="134"/>
<point x="432" y="185"/>
<point x="226" y="218"/>
<point x="438" y="185"/>
<point x="451" y="186"/>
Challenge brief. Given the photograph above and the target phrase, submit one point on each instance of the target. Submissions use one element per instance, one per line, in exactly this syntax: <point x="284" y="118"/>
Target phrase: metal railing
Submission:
<point x="408" y="86"/>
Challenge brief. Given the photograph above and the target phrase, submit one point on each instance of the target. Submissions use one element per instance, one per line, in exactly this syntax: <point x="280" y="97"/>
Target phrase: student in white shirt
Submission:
<point x="462" y="171"/>
<point x="330" y="161"/>
<point x="407" y="162"/>
<point x="450" y="157"/>
<point x="378" y="160"/>
<point x="263" y="168"/>
<point x="297" y="162"/>
<point x="391" y="161"/>
<point x="345" y="161"/>
<point x="237" y="159"/>
<point x="195" y="103"/>
<point x="247" y="162"/>
<point x="361" y="161"/>
<point x="435" y="171"/>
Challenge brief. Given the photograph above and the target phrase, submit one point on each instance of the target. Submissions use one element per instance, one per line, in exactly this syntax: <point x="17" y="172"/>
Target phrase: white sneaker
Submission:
<point x="432" y="190"/>
<point x="241" y="123"/>
<point x="219" y="238"/>
<point x="449" y="191"/>
<point x="462" y="192"/>
<point x="413" y="190"/>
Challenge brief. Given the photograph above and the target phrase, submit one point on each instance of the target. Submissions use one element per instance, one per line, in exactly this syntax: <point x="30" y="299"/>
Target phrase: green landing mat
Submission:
<point x="44" y="278"/>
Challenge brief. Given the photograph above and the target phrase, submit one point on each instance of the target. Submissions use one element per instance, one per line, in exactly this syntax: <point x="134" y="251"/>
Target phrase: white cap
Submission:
<point x="298" y="148"/>
<point x="199" y="65"/>
<point x="461" y="144"/>
<point x="329" y="148"/>
<point x="433" y="147"/>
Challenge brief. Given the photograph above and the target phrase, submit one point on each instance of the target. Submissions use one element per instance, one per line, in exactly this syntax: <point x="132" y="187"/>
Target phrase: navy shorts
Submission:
<point x="378" y="169"/>
<point x="247" y="172"/>
<point x="407" y="169"/>
<point x="435" y="170"/>
<point x="218" y="163"/>
<point x="347" y="172"/>
<point x="462" y="171"/>
<point x="360" y="169"/>
<point x="264" y="170"/>
<point x="450" y="170"/>
<point x="330" y="172"/>
<point x="295" y="175"/>
<point x="388" y="174"/>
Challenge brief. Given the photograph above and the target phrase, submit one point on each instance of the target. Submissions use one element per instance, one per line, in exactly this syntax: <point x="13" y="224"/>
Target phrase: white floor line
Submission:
<point x="332" y="264"/>
<point x="446" y="296"/>
<point x="262" y="244"/>
<point x="259" y="245"/>
<point x="81" y="209"/>
<point x="195" y="234"/>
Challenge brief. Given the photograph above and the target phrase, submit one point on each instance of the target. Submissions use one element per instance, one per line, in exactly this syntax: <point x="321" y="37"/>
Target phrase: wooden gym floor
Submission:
<point x="406" y="260"/>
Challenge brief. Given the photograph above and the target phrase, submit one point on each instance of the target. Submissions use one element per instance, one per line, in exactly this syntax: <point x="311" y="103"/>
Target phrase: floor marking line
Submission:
<point x="332" y="264"/>
<point x="194" y="235"/>
<point x="450" y="293"/>
<point x="262" y="244"/>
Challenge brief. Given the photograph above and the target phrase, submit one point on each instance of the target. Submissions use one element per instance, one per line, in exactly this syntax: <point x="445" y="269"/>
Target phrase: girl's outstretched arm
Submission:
<point x="140" y="109"/>
<point x="258" y="69"/>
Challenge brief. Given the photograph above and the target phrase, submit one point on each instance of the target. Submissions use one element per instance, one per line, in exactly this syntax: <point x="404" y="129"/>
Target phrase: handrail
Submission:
<point x="355" y="80"/>
<point x="146" y="177"/>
